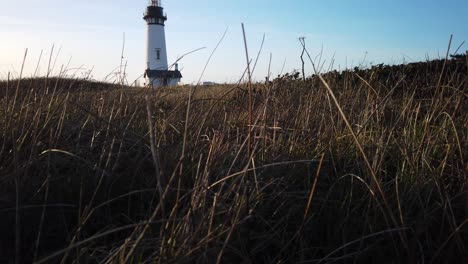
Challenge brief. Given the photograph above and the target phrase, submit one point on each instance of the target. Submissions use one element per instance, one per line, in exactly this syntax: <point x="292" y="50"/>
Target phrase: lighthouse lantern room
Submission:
<point x="157" y="71"/>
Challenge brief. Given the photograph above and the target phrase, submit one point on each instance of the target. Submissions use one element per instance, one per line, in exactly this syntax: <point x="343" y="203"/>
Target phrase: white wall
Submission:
<point x="158" y="82"/>
<point x="156" y="40"/>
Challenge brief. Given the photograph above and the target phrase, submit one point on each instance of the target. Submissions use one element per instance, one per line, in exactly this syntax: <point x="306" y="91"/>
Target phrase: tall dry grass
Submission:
<point x="99" y="173"/>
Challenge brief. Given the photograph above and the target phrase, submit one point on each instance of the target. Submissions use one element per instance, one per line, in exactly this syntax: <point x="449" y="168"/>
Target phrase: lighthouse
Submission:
<point x="157" y="72"/>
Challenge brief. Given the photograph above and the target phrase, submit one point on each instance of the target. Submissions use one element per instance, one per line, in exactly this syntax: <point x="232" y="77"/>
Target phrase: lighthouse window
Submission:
<point x="158" y="54"/>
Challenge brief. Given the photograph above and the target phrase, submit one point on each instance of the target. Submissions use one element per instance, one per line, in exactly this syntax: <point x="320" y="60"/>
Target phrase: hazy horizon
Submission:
<point x="89" y="34"/>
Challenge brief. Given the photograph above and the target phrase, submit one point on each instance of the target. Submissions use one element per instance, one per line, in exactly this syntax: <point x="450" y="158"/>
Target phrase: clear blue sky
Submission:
<point x="88" y="33"/>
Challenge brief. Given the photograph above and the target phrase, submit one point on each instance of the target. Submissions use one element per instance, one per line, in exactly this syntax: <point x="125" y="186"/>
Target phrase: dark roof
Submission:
<point x="163" y="74"/>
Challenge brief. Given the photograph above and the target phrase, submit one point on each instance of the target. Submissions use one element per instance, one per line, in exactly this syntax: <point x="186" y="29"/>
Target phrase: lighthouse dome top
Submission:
<point x="155" y="3"/>
<point x="154" y="14"/>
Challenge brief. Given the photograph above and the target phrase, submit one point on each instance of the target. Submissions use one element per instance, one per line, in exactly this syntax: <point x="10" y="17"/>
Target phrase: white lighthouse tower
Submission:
<point x="157" y="72"/>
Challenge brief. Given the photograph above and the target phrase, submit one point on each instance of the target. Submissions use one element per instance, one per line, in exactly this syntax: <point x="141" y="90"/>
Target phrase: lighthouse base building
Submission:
<point x="160" y="78"/>
<point x="157" y="72"/>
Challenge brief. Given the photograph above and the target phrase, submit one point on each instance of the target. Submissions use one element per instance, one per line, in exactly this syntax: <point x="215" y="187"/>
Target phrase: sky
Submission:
<point x="87" y="35"/>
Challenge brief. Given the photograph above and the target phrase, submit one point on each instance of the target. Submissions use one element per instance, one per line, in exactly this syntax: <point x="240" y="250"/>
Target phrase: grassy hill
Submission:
<point x="93" y="172"/>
